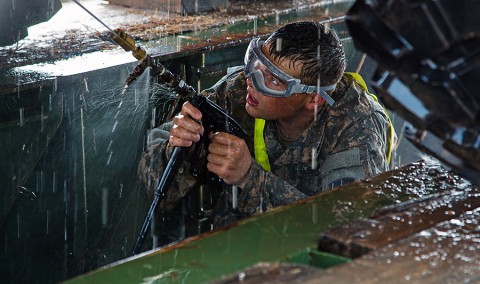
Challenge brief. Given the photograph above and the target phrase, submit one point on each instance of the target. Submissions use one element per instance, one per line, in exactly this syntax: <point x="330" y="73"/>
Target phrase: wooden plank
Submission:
<point x="270" y="273"/>
<point x="445" y="253"/>
<point x="391" y="224"/>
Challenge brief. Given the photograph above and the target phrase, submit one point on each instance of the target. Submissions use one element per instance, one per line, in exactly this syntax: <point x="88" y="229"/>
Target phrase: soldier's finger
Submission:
<point x="218" y="149"/>
<point x="187" y="123"/>
<point x="225" y="138"/>
<point x="178" y="142"/>
<point x="182" y="133"/>
<point x="216" y="159"/>
<point x="189" y="110"/>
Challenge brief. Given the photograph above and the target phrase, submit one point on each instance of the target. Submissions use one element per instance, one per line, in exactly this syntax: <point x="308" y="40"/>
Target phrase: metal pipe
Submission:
<point x="91" y="14"/>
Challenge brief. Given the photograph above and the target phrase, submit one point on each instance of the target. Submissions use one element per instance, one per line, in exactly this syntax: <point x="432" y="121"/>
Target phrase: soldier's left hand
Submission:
<point x="229" y="158"/>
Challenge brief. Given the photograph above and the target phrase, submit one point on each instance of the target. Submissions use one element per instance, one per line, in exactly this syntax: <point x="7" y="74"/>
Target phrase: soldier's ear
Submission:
<point x="314" y="101"/>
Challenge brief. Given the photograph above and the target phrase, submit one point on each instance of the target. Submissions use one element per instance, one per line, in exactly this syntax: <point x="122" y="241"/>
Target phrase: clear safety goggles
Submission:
<point x="272" y="81"/>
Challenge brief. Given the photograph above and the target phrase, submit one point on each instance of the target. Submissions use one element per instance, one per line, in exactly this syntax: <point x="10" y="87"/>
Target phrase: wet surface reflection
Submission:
<point x="71" y="201"/>
<point x="279" y="234"/>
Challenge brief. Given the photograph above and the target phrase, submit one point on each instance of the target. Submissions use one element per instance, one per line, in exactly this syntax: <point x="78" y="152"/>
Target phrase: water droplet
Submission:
<point x="114" y="125"/>
<point x="426" y="234"/>
<point x="104" y="206"/>
<point x="450" y="213"/>
<point x="109" y="158"/>
<point x="22" y="118"/>
<point x="457" y="222"/>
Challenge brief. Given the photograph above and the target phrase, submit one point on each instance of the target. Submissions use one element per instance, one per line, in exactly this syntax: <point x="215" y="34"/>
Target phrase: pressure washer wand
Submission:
<point x="128" y="44"/>
<point x="120" y="37"/>
<point x="91" y="14"/>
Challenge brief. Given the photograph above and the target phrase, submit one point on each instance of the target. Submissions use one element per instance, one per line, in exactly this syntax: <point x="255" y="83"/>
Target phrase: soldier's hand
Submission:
<point x="229" y="158"/>
<point x="186" y="129"/>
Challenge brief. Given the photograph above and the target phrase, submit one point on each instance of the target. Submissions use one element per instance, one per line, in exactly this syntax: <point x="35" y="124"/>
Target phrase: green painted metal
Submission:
<point x="269" y="237"/>
<point x="316" y="259"/>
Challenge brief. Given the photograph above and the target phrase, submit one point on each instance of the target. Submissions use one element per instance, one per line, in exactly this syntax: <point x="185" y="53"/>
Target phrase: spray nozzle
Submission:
<point x="128" y="44"/>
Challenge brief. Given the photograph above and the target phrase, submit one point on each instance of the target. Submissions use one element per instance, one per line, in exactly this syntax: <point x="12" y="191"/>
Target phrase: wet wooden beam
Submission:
<point x="444" y="253"/>
<point x="391" y="224"/>
<point x="271" y="273"/>
<point x="424" y="239"/>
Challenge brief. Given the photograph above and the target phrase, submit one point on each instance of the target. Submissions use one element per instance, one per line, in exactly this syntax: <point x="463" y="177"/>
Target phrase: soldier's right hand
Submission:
<point x="186" y="128"/>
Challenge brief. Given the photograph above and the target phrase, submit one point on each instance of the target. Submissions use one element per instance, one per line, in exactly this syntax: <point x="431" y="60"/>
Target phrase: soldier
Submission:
<point x="311" y="126"/>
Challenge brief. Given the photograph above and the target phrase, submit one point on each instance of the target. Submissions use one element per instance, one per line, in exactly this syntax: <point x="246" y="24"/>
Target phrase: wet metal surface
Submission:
<point x="277" y="234"/>
<point x="181" y="41"/>
<point x="73" y="32"/>
<point x="78" y="183"/>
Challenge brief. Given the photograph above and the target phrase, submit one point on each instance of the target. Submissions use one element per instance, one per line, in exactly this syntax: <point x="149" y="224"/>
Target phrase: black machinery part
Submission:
<point x="428" y="53"/>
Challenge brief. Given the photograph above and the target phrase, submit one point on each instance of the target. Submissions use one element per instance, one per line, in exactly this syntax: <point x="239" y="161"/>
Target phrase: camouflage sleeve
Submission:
<point x="360" y="152"/>
<point x="159" y="135"/>
<point x="152" y="165"/>
<point x="264" y="191"/>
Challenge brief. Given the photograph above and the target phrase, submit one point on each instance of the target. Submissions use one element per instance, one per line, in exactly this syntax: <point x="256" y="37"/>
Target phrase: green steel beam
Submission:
<point x="272" y="236"/>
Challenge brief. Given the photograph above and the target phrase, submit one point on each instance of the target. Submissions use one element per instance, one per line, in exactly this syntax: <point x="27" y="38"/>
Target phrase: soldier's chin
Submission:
<point x="253" y="111"/>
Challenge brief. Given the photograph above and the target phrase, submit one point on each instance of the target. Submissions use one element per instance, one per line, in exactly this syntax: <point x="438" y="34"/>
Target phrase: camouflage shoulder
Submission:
<point x="218" y="90"/>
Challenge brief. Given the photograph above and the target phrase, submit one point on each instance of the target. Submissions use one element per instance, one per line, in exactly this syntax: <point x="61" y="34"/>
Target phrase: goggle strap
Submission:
<point x="325" y="96"/>
<point x="321" y="92"/>
<point x="309" y="89"/>
<point x="329" y="87"/>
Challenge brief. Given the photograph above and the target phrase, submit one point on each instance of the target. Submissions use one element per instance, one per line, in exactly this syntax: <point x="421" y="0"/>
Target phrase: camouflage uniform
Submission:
<point x="346" y="142"/>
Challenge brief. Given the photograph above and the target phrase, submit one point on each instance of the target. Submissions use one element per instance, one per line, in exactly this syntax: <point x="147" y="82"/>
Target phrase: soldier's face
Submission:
<point x="271" y="108"/>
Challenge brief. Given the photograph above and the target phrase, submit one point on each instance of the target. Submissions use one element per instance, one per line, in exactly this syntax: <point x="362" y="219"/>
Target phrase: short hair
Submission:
<point x="317" y="46"/>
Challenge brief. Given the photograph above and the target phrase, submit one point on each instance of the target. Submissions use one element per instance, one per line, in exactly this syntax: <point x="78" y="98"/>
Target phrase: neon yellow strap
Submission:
<point x="360" y="81"/>
<point x="260" y="148"/>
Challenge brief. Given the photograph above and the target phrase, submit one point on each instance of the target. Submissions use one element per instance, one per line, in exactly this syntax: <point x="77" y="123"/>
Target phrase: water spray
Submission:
<point x="91" y="14"/>
<point x="120" y="37"/>
<point x="128" y="44"/>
